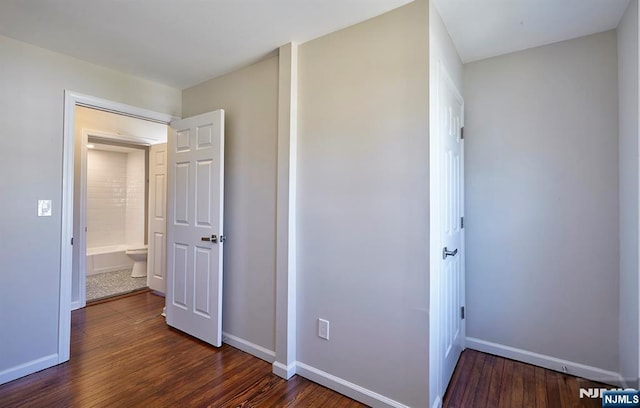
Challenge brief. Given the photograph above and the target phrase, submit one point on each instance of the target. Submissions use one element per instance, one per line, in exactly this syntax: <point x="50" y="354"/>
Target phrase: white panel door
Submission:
<point x="194" y="227"/>
<point x="157" y="231"/>
<point x="452" y="234"/>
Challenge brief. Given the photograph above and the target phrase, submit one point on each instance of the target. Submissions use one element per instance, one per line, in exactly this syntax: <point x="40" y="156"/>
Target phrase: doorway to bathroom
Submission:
<point x="116" y="156"/>
<point x="116" y="218"/>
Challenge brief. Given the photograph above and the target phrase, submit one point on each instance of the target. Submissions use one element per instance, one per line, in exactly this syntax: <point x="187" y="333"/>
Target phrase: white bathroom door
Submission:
<point x="452" y="329"/>
<point x="157" y="231"/>
<point x="194" y="228"/>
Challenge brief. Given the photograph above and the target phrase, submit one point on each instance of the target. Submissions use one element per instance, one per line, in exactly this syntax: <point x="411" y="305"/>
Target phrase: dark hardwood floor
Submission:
<point x="484" y="380"/>
<point x="124" y="355"/>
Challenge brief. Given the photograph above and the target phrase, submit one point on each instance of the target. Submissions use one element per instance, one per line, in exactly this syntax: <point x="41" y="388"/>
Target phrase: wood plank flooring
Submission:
<point x="484" y="380"/>
<point x="124" y="355"/>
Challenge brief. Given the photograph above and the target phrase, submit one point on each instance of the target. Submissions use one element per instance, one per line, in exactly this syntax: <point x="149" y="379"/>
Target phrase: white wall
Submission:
<point x="136" y="197"/>
<point x="33" y="81"/>
<point x="115" y="197"/>
<point x="363" y="199"/>
<point x="250" y="99"/>
<point x="106" y="198"/>
<point x="628" y="173"/>
<point x="542" y="200"/>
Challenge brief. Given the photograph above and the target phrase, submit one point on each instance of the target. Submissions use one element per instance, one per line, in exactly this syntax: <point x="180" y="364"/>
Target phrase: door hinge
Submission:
<point x="462" y="312"/>
<point x="461" y="222"/>
<point x="462" y="132"/>
<point x="71" y="240"/>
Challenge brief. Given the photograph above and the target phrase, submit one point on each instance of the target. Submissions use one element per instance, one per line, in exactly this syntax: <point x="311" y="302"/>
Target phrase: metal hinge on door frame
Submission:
<point x="462" y="312"/>
<point x="462" y="133"/>
<point x="461" y="222"/>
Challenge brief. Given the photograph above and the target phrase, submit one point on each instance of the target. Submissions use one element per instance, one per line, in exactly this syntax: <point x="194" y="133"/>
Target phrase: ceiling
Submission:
<point x="178" y="42"/>
<point x="487" y="28"/>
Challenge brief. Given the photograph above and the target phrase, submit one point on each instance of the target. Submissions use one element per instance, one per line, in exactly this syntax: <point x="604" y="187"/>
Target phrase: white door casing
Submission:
<point x="79" y="274"/>
<point x="451" y="279"/>
<point x="71" y="100"/>
<point x="195" y="169"/>
<point x="157" y="220"/>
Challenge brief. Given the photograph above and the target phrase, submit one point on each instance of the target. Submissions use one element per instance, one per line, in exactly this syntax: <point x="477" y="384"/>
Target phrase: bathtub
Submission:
<point x="108" y="259"/>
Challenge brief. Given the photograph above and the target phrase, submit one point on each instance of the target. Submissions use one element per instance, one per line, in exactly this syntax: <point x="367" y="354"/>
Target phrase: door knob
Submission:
<point x="446" y="252"/>
<point x="213" y="238"/>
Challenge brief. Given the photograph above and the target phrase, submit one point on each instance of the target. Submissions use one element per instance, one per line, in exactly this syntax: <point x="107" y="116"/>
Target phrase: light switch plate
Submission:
<point x="44" y="208"/>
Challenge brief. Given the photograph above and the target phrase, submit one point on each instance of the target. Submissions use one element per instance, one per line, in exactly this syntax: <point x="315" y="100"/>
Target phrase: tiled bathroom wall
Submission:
<point x="136" y="181"/>
<point x="115" y="197"/>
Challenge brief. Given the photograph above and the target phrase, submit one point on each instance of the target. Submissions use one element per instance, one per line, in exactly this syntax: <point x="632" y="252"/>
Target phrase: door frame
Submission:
<point x="438" y="73"/>
<point x="71" y="100"/>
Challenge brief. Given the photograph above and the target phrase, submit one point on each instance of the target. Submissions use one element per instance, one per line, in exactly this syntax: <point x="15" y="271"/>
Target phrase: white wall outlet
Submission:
<point x="323" y="329"/>
<point x="44" y="208"/>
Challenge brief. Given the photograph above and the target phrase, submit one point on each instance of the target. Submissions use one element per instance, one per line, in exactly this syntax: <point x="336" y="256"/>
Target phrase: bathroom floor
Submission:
<point x="104" y="285"/>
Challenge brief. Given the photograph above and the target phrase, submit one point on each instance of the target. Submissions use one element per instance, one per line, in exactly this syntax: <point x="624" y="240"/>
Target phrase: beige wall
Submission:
<point x="363" y="200"/>
<point x="541" y="221"/>
<point x="33" y="81"/>
<point x="250" y="99"/>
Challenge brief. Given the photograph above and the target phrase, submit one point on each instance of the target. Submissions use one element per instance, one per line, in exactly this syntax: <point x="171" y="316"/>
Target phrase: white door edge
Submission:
<point x="438" y="73"/>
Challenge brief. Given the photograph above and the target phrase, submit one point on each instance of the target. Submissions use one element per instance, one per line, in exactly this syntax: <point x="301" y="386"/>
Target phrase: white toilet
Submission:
<point x="139" y="255"/>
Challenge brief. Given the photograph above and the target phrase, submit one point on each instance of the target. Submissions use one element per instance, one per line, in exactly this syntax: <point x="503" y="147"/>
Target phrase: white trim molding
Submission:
<point x="551" y="363"/>
<point x="284" y="371"/>
<point x="249" y="347"/>
<point x="120" y="108"/>
<point x="286" y="211"/>
<point x="27" y="368"/>
<point x="71" y="100"/>
<point x="347" y="388"/>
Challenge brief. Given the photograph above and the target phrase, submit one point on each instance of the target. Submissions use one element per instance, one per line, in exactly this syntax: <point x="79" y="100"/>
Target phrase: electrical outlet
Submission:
<point x="323" y="329"/>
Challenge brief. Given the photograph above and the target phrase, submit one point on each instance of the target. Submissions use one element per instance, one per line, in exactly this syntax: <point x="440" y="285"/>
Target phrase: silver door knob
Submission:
<point x="213" y="238"/>
<point x="446" y="252"/>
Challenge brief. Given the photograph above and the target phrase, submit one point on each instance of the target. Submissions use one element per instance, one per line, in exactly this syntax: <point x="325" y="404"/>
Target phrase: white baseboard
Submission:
<point x="347" y="388"/>
<point x="284" y="371"/>
<point x="248" y="347"/>
<point x="75" y="305"/>
<point x="541" y="360"/>
<point x="30" y="367"/>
